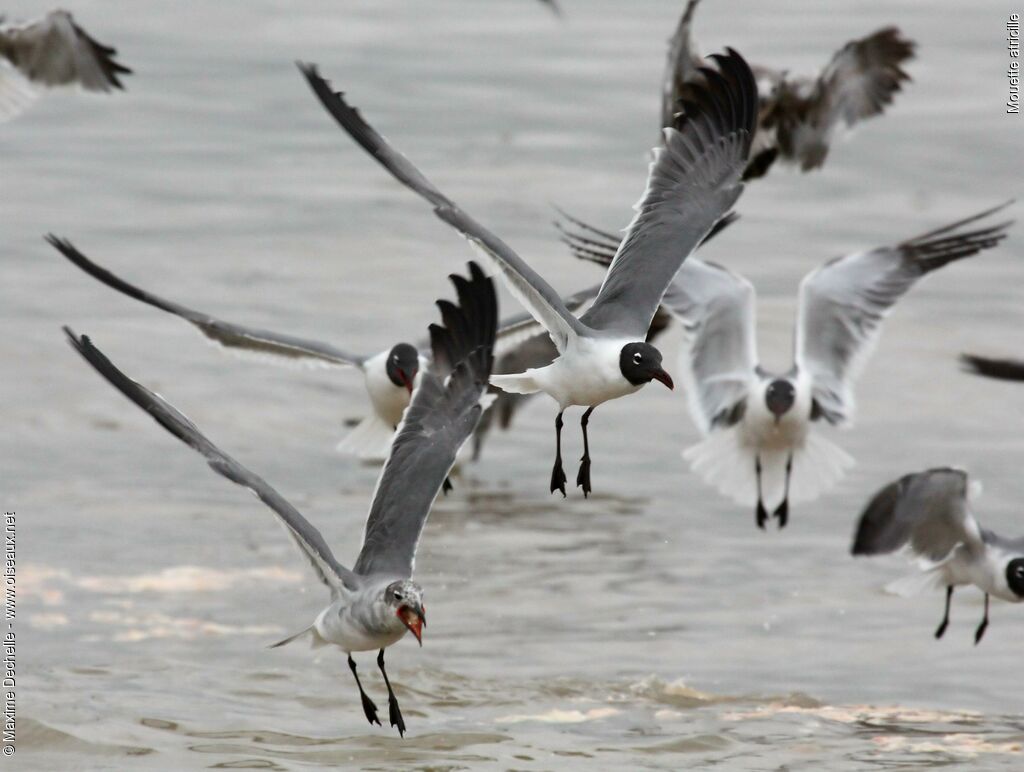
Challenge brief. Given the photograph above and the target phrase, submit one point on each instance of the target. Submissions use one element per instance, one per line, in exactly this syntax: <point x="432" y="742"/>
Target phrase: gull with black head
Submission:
<point x="759" y="447"/>
<point x="692" y="183"/>
<point x="376" y="602"/>
<point x="928" y="515"/>
<point x="388" y="376"/>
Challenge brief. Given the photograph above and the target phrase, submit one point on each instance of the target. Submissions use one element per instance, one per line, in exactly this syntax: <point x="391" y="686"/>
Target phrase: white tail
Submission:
<point x="520" y="383"/>
<point x="723" y="460"/>
<point x="315" y="640"/>
<point x="16" y="92"/>
<point x="370" y="440"/>
<point x="915" y="584"/>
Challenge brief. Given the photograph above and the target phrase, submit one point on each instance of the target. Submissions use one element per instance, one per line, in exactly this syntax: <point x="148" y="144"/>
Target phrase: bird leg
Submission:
<point x="557" y="472"/>
<point x="368" y="707"/>
<point x="761" y="513"/>
<point x="583" y="478"/>
<point x="945" y="617"/>
<point x="393" y="711"/>
<point x="782" y="511"/>
<point x="984" y="624"/>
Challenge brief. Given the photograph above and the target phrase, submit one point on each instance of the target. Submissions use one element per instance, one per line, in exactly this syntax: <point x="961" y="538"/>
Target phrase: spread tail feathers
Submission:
<point x="724" y="461"/>
<point x="520" y="383"/>
<point x="915" y="584"/>
<point x="370" y="440"/>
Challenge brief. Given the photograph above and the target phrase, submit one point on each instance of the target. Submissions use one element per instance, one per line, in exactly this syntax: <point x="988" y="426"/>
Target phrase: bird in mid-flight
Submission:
<point x="692" y="183"/>
<point x="929" y="515"/>
<point x="52" y="51"/>
<point x="799" y="117"/>
<point x="759" y="447"/>
<point x="376" y="602"/>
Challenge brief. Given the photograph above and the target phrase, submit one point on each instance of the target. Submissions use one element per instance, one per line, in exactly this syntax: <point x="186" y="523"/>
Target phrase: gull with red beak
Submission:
<point x="692" y="183"/>
<point x="389" y="376"/>
<point x="376" y="602"/>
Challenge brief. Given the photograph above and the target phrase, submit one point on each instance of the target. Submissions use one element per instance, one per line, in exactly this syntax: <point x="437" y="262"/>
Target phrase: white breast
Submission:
<point x="586" y="374"/>
<point x="389" y="401"/>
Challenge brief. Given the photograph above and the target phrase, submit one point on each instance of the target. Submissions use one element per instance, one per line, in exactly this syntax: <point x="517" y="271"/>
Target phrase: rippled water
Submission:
<point x="651" y="627"/>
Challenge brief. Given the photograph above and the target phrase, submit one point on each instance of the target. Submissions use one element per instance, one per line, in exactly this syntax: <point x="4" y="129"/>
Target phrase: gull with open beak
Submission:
<point x="376" y="602"/>
<point x="692" y="183"/>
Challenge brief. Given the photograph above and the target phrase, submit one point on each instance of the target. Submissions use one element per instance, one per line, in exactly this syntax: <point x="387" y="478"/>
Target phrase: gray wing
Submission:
<point x="308" y="538"/>
<point x="443" y="412"/>
<point x="693" y="181"/>
<point x="539" y="298"/>
<point x="927" y="512"/>
<point x="227" y="334"/>
<point x="683" y="64"/>
<point x="54" y="51"/>
<point x="860" y="81"/>
<point x="1002" y="369"/>
<point x="716" y="309"/>
<point x="843" y="304"/>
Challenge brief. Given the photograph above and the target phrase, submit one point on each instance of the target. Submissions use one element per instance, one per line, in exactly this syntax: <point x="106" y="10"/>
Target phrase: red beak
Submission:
<point x="406" y="381"/>
<point x="663" y="377"/>
<point x="414" y="619"/>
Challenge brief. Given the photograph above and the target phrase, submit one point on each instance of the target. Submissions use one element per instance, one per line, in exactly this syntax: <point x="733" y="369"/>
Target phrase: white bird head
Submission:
<point x="405" y="599"/>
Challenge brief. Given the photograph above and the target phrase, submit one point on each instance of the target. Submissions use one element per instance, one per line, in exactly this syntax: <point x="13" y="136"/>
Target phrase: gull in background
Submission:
<point x="1000" y="369"/>
<point x="375" y="603"/>
<point x="799" y="117"/>
<point x="928" y="514"/>
<point x="388" y="375"/>
<point x="759" y="447"/>
<point x="52" y="51"/>
<point x="692" y="183"/>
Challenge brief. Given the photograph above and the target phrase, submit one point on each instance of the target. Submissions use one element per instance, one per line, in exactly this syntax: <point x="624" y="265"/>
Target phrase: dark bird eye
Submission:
<point x="398" y="595"/>
<point x="637" y="358"/>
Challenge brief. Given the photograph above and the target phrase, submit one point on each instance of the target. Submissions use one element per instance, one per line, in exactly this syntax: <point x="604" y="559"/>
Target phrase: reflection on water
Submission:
<point x="650" y="627"/>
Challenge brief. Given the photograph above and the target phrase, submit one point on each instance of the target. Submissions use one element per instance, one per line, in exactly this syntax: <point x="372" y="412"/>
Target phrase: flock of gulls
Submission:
<point x="724" y="123"/>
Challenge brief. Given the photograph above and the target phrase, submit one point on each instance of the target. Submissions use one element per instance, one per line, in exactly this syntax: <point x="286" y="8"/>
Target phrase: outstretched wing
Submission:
<point x="716" y="309"/>
<point x="860" y="81"/>
<point x="1002" y="369"/>
<point x="539" y="298"/>
<point x="54" y="51"/>
<point x="927" y="512"/>
<point x="444" y="411"/>
<point x="308" y="538"/>
<point x="682" y="65"/>
<point x="843" y="303"/>
<point x="227" y="334"/>
<point x="693" y="181"/>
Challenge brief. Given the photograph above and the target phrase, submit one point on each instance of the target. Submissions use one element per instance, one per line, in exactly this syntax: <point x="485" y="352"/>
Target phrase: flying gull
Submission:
<point x="540" y="351"/>
<point x="693" y="181"/>
<point x="799" y="117"/>
<point x="52" y="51"/>
<point x="759" y="447"/>
<point x="376" y="602"/>
<point x="929" y="514"/>
<point x="388" y="375"/>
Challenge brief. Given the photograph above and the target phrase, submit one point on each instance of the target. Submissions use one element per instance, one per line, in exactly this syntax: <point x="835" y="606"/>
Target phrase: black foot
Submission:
<point x="447" y="486"/>
<point x="761" y="514"/>
<point x="782" y="513"/>
<point x="941" y="630"/>
<point x="369" y="709"/>
<point x="558" y="477"/>
<point x="396" y="715"/>
<point x="583" y="478"/>
<point x="980" y="631"/>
